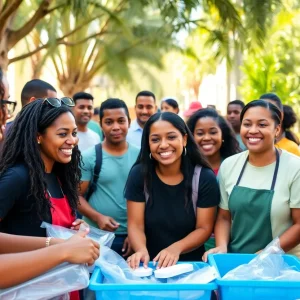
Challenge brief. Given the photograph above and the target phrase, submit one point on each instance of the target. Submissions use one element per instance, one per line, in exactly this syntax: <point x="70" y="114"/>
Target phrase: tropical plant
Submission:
<point x="275" y="68"/>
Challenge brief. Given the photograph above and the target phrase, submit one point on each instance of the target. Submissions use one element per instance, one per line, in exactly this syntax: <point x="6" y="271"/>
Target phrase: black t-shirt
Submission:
<point x="167" y="220"/>
<point x="17" y="208"/>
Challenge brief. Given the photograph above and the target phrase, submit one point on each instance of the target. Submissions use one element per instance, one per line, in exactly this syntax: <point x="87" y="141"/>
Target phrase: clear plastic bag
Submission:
<point x="104" y="238"/>
<point x="268" y="265"/>
<point x="116" y="270"/>
<point x="54" y="284"/>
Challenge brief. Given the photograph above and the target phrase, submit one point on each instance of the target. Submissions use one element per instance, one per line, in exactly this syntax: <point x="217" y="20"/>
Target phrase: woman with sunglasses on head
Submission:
<point x="169" y="217"/>
<point x="260" y="188"/>
<point x="41" y="157"/>
<point x="30" y="254"/>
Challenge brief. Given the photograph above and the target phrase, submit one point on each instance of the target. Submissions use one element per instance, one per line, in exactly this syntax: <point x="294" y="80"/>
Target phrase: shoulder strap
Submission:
<point x="97" y="169"/>
<point x="195" y="186"/>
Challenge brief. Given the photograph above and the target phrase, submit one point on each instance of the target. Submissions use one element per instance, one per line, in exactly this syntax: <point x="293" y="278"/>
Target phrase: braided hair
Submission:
<point x="21" y="147"/>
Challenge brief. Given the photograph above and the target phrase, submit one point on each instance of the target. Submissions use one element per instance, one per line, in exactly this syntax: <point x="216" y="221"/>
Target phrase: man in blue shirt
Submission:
<point x="145" y="107"/>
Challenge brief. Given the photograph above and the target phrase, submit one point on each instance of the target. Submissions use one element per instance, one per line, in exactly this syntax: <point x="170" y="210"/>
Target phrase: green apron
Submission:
<point x="250" y="210"/>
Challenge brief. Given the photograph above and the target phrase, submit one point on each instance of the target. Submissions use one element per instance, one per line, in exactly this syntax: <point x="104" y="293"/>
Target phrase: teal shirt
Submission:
<point x="108" y="199"/>
<point x="239" y="139"/>
<point x="96" y="128"/>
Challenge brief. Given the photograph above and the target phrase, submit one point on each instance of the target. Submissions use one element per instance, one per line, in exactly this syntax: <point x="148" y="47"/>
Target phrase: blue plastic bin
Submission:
<point x="158" y="291"/>
<point x="252" y="289"/>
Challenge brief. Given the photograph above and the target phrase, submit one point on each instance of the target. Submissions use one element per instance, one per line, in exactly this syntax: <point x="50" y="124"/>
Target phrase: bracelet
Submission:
<point x="48" y="239"/>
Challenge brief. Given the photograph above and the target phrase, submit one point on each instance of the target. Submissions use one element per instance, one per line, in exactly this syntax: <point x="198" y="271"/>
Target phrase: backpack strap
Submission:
<point x="195" y="188"/>
<point x="97" y="169"/>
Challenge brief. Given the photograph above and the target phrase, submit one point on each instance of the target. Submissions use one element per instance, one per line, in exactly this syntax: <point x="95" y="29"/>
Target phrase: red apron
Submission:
<point x="62" y="215"/>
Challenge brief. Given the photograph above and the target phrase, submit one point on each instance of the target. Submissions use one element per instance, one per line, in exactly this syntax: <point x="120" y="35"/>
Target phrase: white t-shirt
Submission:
<point x="286" y="192"/>
<point x="87" y="139"/>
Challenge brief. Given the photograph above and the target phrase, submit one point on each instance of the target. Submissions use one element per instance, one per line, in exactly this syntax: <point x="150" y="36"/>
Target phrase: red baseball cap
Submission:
<point x="193" y="107"/>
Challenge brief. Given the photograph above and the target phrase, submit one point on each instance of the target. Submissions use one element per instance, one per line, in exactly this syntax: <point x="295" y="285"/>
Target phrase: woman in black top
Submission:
<point x="34" y="258"/>
<point x="39" y="169"/>
<point x="167" y="228"/>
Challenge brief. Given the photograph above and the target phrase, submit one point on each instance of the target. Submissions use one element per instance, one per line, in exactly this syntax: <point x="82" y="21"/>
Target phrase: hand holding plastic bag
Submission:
<point x="104" y="238"/>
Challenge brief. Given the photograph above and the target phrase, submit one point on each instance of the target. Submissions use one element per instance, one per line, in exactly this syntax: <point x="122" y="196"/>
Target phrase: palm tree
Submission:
<point x="18" y="18"/>
<point x="228" y="43"/>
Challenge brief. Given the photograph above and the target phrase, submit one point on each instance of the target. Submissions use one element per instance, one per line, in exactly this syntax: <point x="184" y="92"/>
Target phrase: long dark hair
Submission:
<point x="230" y="145"/>
<point x="2" y="110"/>
<point x="21" y="147"/>
<point x="193" y="155"/>
<point x="289" y="120"/>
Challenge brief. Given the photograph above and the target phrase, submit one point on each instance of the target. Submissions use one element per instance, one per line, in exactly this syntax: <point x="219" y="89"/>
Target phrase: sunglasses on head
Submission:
<point x="10" y="106"/>
<point x="56" y="102"/>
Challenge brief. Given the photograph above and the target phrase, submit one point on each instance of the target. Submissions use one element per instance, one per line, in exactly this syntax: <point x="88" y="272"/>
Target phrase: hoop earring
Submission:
<point x="184" y="151"/>
<point x="150" y="156"/>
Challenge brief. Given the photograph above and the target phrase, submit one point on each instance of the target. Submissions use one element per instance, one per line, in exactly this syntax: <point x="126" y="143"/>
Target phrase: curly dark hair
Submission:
<point x="230" y="146"/>
<point x="21" y="147"/>
<point x="192" y="158"/>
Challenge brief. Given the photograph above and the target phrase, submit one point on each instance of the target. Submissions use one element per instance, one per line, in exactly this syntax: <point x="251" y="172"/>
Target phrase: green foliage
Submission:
<point x="275" y="68"/>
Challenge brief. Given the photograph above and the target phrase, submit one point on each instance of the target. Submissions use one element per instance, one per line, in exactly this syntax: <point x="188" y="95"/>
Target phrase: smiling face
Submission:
<point x="166" y="143"/>
<point x="115" y="125"/>
<point x="83" y="111"/>
<point x="145" y="107"/>
<point x="58" y="141"/>
<point x="208" y="136"/>
<point x="258" y="129"/>
<point x="3" y="110"/>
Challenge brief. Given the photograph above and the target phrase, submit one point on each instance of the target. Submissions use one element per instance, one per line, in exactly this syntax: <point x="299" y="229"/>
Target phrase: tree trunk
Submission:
<point x="228" y="84"/>
<point x="238" y="57"/>
<point x="3" y="53"/>
<point x="69" y="87"/>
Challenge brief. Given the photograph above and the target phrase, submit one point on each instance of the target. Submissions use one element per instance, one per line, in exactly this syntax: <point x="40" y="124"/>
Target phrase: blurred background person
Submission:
<point x="169" y="104"/>
<point x="94" y="125"/>
<point x="285" y="139"/>
<point x="83" y="112"/>
<point x="234" y="109"/>
<point x="193" y="107"/>
<point x="145" y="107"/>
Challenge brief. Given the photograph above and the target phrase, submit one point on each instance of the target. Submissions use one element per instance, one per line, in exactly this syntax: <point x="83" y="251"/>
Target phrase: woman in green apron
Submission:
<point x="260" y="189"/>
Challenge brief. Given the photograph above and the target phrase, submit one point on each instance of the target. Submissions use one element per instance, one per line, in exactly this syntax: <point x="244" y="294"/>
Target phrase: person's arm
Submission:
<point x="291" y="237"/>
<point x="14" y="244"/>
<point x="222" y="228"/>
<point x="20" y="267"/>
<point x="136" y="233"/>
<point x="104" y="222"/>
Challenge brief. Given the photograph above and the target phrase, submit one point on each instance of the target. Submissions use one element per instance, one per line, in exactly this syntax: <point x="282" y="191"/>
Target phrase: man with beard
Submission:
<point x="234" y="110"/>
<point x="83" y="112"/>
<point x="145" y="107"/>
